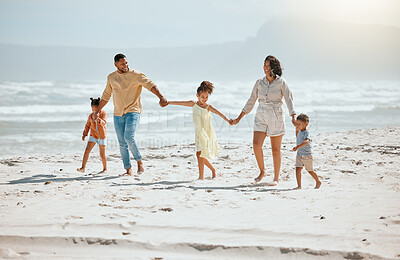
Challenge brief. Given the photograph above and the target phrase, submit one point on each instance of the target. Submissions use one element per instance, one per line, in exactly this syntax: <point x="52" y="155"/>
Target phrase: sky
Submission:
<point x="160" y="23"/>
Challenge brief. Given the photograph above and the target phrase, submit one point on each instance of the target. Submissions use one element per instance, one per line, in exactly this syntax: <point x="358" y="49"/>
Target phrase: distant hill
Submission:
<point x="307" y="50"/>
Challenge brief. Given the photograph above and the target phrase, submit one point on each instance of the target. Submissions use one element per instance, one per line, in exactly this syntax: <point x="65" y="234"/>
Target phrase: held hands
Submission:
<point x="234" y="121"/>
<point x="163" y="102"/>
<point x="237" y="120"/>
<point x="294" y="120"/>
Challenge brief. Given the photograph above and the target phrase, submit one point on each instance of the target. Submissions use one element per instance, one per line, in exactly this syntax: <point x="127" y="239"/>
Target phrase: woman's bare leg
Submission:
<point x="258" y="141"/>
<point x="276" y="142"/>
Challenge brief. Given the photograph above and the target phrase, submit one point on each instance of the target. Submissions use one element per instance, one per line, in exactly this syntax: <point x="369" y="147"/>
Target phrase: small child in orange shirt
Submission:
<point x="97" y="135"/>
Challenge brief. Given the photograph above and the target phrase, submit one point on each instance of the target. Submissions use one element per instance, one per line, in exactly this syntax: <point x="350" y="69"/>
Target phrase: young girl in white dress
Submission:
<point x="206" y="140"/>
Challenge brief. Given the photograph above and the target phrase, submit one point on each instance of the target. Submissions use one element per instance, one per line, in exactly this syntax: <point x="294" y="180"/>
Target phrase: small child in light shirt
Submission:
<point x="304" y="154"/>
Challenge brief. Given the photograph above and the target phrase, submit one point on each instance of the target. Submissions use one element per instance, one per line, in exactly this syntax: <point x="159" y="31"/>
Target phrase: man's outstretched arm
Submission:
<point x="163" y="101"/>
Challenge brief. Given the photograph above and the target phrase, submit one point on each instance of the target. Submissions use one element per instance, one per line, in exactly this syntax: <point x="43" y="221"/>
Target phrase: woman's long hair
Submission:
<point x="275" y="65"/>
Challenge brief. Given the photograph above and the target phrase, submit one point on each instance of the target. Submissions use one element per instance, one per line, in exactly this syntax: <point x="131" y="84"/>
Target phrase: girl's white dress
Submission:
<point x="205" y="140"/>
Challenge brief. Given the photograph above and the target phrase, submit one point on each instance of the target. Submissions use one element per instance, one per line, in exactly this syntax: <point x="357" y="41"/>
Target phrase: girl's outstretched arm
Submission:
<point x="215" y="111"/>
<point x="189" y="103"/>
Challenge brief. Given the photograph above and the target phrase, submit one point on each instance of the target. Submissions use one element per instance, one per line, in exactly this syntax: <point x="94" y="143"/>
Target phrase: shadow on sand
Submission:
<point x="171" y="185"/>
<point x="42" y="178"/>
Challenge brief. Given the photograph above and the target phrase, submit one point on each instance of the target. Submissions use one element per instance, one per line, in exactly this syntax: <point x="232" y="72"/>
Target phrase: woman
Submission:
<point x="269" y="119"/>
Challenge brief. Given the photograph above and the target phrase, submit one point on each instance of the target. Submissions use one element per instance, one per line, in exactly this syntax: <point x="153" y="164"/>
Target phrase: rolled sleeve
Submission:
<point x="252" y="100"/>
<point x="288" y="95"/>
<point x="145" y="82"/>
<point x="107" y="91"/>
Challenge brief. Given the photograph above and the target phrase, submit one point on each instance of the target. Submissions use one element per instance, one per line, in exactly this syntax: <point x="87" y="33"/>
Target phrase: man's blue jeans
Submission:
<point x="125" y="127"/>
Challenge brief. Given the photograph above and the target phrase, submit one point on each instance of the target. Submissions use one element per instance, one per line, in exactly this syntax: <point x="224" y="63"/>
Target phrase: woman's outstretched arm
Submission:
<point x="240" y="116"/>
<point x="249" y="104"/>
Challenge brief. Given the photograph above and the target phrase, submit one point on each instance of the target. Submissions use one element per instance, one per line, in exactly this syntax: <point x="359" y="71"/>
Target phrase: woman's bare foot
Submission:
<point x="140" y="167"/>
<point x="274" y="183"/>
<point x="297" y="188"/>
<point x="317" y="185"/>
<point x="260" y="177"/>
<point x="82" y="170"/>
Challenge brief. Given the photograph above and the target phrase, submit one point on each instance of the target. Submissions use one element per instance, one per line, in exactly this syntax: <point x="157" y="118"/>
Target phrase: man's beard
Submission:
<point x="123" y="70"/>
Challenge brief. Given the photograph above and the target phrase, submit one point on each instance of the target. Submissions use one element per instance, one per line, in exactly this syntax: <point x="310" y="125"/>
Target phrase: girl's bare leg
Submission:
<point x="258" y="141"/>
<point x="298" y="177"/>
<point x="200" y="161"/>
<point x="102" y="149"/>
<point x="88" y="149"/>
<point x="209" y="165"/>
<point x="315" y="176"/>
<point x="276" y="142"/>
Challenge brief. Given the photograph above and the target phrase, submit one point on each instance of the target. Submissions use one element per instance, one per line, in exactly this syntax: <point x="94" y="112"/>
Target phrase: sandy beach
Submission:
<point x="50" y="211"/>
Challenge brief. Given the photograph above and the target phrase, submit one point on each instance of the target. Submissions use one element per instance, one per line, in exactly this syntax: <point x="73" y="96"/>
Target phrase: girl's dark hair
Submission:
<point x="205" y="86"/>
<point x="303" y="117"/>
<point x="275" y="65"/>
<point x="95" y="101"/>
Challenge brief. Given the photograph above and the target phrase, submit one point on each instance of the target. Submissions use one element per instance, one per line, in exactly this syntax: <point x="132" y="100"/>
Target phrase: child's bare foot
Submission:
<point x="82" y="170"/>
<point x="103" y="172"/>
<point x="214" y="175"/>
<point x="274" y="183"/>
<point x="297" y="188"/>
<point x="140" y="167"/>
<point x="260" y="177"/>
<point x="317" y="185"/>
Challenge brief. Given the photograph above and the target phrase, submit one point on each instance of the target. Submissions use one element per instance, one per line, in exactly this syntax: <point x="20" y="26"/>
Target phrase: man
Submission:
<point x="126" y="87"/>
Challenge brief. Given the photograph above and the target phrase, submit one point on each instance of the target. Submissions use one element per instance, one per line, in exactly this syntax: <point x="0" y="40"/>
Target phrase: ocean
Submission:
<point x="48" y="117"/>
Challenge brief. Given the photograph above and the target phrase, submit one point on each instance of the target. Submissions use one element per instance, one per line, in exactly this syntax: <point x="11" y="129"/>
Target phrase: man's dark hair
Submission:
<point x="118" y="57"/>
<point x="95" y="101"/>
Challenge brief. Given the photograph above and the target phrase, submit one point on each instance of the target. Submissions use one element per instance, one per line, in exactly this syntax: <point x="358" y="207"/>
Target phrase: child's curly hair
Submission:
<point x="205" y="86"/>
<point x="303" y="117"/>
<point x="95" y="101"/>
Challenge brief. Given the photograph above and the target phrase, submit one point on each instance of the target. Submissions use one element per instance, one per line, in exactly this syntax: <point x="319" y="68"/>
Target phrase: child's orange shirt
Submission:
<point x="101" y="126"/>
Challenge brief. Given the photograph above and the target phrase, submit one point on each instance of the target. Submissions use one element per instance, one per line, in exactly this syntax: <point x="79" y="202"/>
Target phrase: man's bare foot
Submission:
<point x="128" y="172"/>
<point x="140" y="167"/>
<point x="260" y="177"/>
<point x="82" y="170"/>
<point x="297" y="188"/>
<point x="201" y="179"/>
<point x="274" y="183"/>
<point x="318" y="185"/>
